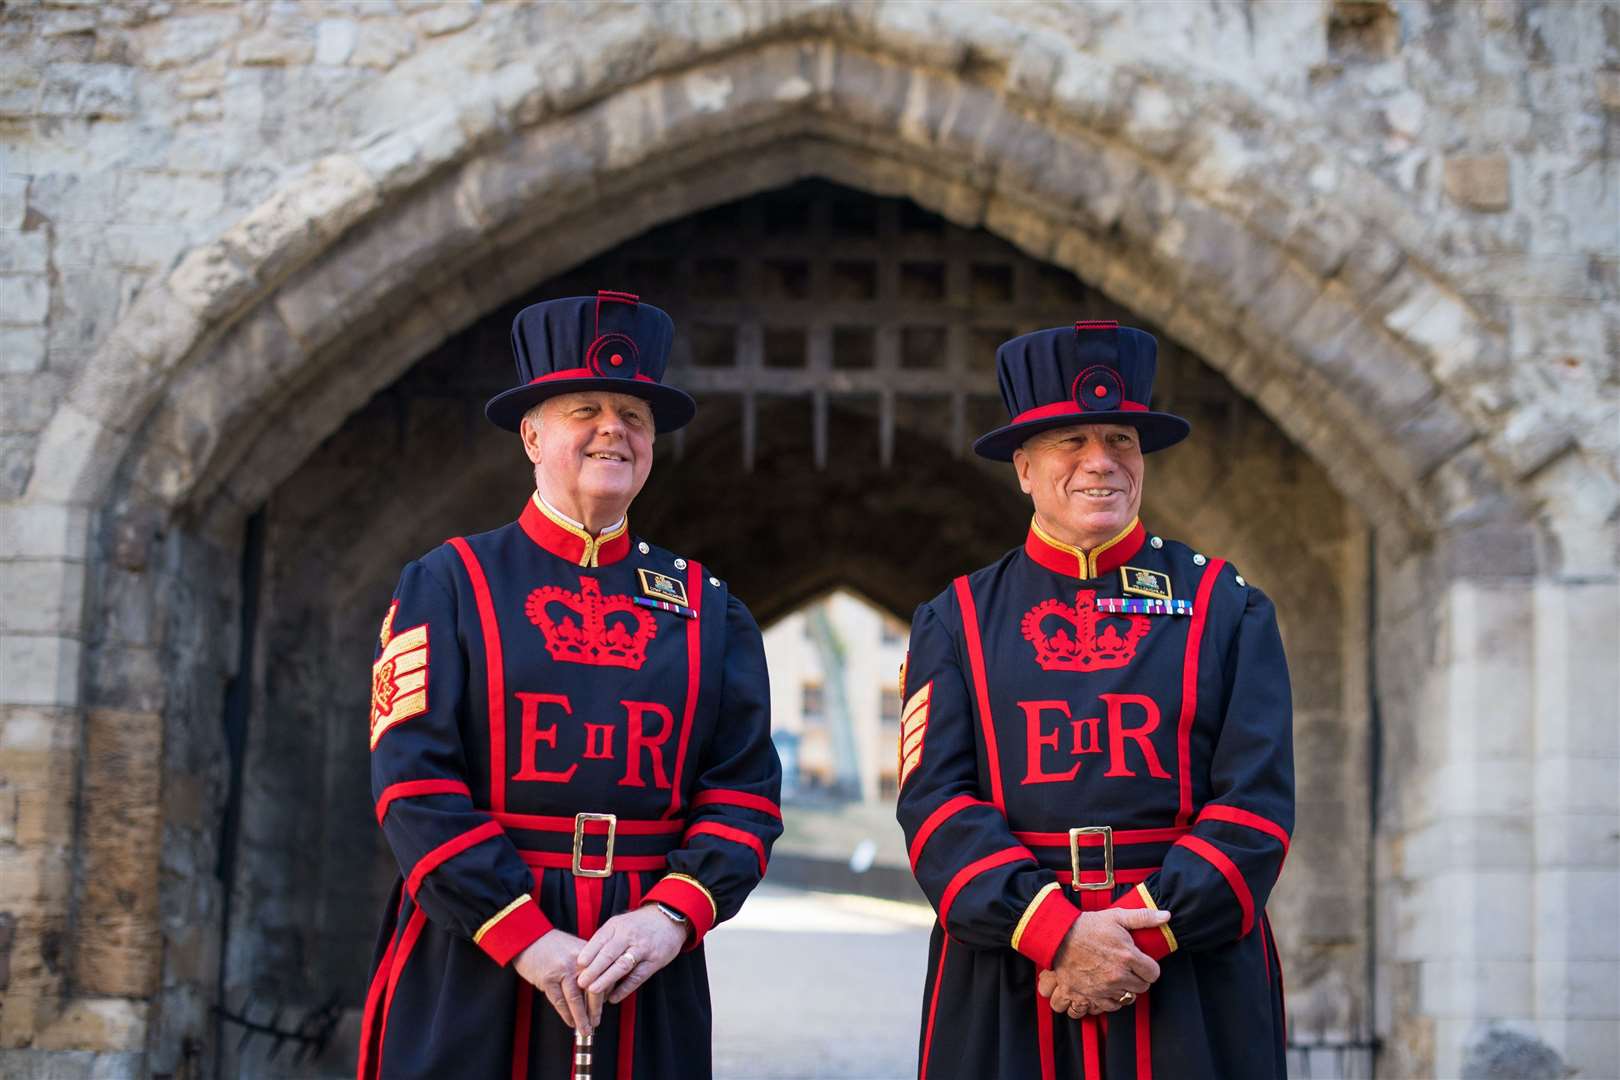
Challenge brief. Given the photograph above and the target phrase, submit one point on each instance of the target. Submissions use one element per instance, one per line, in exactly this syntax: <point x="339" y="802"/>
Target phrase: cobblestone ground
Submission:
<point x="809" y="984"/>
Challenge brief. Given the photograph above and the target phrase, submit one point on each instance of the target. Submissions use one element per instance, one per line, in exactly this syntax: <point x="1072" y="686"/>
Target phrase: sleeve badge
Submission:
<point x="399" y="677"/>
<point x="913" y="726"/>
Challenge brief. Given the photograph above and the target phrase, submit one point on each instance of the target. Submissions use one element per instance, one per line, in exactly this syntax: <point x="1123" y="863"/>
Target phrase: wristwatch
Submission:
<point x="674" y="916"/>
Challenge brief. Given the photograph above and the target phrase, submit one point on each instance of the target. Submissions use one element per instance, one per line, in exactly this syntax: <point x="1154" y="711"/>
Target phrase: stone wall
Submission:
<point x="1390" y="225"/>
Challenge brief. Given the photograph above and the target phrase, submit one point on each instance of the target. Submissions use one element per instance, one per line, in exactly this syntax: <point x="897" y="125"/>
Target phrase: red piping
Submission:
<point x="933" y="1002"/>
<point x="970" y="627"/>
<point x="722" y="797"/>
<point x="1238" y="816"/>
<point x="407" y="789"/>
<point x="1189" y="688"/>
<point x="945" y="811"/>
<point x="407" y="942"/>
<point x="973" y="870"/>
<point x="737" y="836"/>
<point x="495" y="671"/>
<point x="449" y="850"/>
<point x="694" y="678"/>
<point x="1218" y="859"/>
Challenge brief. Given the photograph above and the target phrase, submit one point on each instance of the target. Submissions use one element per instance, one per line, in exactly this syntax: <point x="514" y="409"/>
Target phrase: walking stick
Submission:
<point x="582" y="1056"/>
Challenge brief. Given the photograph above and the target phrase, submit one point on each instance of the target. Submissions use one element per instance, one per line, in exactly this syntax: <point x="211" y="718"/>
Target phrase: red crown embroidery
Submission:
<point x="1095" y="644"/>
<point x="592" y="639"/>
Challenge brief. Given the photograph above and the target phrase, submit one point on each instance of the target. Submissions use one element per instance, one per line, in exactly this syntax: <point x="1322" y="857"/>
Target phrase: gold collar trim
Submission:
<point x="593" y="544"/>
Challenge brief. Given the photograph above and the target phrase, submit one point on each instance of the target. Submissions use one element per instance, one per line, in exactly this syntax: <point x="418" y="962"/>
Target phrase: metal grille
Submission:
<point x="816" y="291"/>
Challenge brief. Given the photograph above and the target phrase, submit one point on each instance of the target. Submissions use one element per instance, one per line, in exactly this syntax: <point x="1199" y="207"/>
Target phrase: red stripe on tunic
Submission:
<point x="1217" y="858"/>
<point x="726" y="832"/>
<point x="449" y="850"/>
<point x="520" y="1030"/>
<point x="1237" y="816"/>
<point x="944" y="812"/>
<point x="722" y="797"/>
<point x="1088" y="1048"/>
<point x="494" y="671"/>
<point x="1144" y="1039"/>
<point x="973" y="870"/>
<point x="933" y="1003"/>
<point x="694" y="677"/>
<point x="1189" y="687"/>
<point x="1265" y="960"/>
<point x="407" y="789"/>
<point x="981" y="688"/>
<point x="368" y="1021"/>
<point x="1043" y="1036"/>
<point x="627" y="1007"/>
<point x="587" y="916"/>
<point x="407" y="942"/>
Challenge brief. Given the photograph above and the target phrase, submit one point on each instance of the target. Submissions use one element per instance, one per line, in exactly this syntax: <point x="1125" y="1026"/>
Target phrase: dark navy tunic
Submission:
<point x="1140" y="687"/>
<point x="525" y="677"/>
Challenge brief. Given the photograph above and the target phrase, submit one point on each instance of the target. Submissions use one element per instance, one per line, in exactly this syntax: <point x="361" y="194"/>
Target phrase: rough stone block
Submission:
<point x="334" y="40"/>
<point x="1156" y="120"/>
<point x="210" y="282"/>
<point x="102" y="1024"/>
<point x="290" y="225"/>
<point x="44" y="531"/>
<point x="13" y="200"/>
<point x="446" y="18"/>
<point x="88" y="90"/>
<point x="25" y="299"/>
<point x="39" y="670"/>
<point x="1479" y="183"/>
<point x="24" y="252"/>
<point x="41" y="597"/>
<point x="22" y="349"/>
<point x="284" y="43"/>
<point x="182" y="39"/>
<point x="381" y="45"/>
<point x="118" y="949"/>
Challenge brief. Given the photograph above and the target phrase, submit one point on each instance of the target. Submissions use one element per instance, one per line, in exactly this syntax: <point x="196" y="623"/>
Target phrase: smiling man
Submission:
<point x="1096" y="764"/>
<point x="571" y="755"/>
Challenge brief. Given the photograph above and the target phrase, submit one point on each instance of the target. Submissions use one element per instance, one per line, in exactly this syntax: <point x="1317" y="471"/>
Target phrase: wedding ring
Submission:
<point x="1126" y="998"/>
<point x="628" y="955"/>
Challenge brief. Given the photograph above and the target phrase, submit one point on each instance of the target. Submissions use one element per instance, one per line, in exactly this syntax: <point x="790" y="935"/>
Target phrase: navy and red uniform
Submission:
<point x="529" y="682"/>
<point x="1053" y="691"/>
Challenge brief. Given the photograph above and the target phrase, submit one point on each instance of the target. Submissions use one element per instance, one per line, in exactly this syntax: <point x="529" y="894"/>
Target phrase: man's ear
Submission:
<point x="1021" y="465"/>
<point x="529" y="431"/>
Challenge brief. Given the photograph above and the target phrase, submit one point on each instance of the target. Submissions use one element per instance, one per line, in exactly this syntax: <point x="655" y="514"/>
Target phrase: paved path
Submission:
<point x="810" y="984"/>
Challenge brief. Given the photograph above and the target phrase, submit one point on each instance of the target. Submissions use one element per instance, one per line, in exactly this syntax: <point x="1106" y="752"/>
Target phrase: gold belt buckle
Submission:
<point x="580" y="821"/>
<point x="1107" y="833"/>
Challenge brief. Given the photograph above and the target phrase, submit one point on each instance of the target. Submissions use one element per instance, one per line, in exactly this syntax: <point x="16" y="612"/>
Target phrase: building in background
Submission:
<point x="835" y="699"/>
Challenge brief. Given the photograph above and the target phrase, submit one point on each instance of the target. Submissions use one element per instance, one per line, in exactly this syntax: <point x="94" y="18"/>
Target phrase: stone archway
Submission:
<point x="229" y="371"/>
<point x="813" y="486"/>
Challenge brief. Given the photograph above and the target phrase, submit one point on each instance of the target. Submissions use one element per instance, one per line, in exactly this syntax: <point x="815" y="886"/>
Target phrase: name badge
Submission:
<point x="1140" y="582"/>
<point x="662" y="586"/>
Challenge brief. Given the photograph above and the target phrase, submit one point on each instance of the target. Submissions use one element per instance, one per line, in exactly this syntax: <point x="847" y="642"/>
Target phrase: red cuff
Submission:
<point x="512" y="929"/>
<point x="1045" y="924"/>
<point x="688" y="896"/>
<point x="1157" y="941"/>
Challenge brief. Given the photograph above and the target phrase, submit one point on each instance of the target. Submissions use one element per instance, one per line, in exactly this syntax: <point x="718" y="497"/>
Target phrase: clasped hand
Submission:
<point x="578" y="976"/>
<point x="1098" y="963"/>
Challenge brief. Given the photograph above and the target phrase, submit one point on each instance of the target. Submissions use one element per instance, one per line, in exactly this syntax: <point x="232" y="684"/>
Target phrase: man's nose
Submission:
<point x="1095" y="459"/>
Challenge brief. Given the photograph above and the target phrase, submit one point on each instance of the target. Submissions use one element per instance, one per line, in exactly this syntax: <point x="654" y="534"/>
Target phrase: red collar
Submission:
<point x="567" y="541"/>
<point x="1105" y="558"/>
